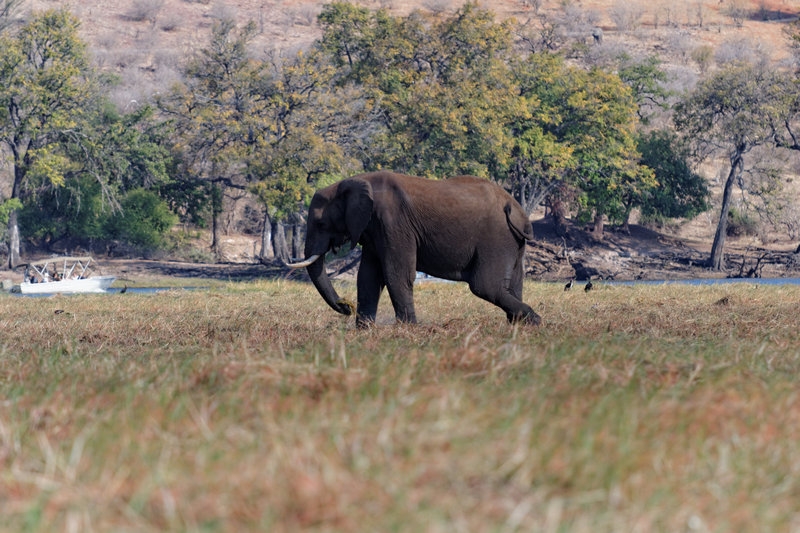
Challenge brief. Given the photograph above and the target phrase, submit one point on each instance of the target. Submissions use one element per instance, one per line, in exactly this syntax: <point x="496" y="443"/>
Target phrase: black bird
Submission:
<point x="588" y="286"/>
<point x="568" y="286"/>
<point x="124" y="289"/>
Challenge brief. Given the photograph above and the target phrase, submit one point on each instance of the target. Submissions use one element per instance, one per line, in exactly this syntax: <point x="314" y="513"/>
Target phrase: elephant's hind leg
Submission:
<point x="503" y="288"/>
<point x="529" y="316"/>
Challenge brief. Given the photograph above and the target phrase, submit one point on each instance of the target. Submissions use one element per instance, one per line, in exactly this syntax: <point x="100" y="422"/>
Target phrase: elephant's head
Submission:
<point x="338" y="214"/>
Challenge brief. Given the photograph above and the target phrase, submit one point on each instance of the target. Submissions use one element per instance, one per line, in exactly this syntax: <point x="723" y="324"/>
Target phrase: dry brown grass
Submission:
<point x="254" y="407"/>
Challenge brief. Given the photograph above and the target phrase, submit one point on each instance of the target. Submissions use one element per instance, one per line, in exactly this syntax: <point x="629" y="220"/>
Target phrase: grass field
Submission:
<point x="255" y="407"/>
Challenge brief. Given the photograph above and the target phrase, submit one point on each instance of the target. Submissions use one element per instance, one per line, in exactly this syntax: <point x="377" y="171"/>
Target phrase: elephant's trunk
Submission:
<point x="319" y="277"/>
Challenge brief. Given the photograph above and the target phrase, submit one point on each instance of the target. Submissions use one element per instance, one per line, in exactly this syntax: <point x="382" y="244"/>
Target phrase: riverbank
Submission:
<point x="640" y="254"/>
<point x="645" y="254"/>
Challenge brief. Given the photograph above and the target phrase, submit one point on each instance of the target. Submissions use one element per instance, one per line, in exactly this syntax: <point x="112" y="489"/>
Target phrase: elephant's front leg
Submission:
<point x="370" y="284"/>
<point x="399" y="274"/>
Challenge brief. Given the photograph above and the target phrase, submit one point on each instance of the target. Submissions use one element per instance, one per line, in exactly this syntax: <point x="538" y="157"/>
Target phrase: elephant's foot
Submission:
<point x="406" y="318"/>
<point x="529" y="318"/>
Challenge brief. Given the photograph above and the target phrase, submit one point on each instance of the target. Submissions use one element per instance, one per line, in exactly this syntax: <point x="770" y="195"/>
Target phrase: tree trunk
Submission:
<point x="297" y="240"/>
<point x="16" y="190"/>
<point x="558" y="212"/>
<point x="214" y="234"/>
<point x="279" y="241"/>
<point x="13" y="240"/>
<point x="626" y="223"/>
<point x="216" y="210"/>
<point x="292" y="241"/>
<point x="716" y="259"/>
<point x="597" y="231"/>
<point x="267" y="252"/>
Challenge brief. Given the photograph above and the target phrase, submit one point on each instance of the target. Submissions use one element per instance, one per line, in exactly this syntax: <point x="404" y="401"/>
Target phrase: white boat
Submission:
<point x="62" y="275"/>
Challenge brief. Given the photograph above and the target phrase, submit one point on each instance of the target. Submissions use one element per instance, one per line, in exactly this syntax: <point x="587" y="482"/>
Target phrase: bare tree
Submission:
<point x="741" y="50"/>
<point x="733" y="112"/>
<point x="8" y="8"/>
<point x="145" y="10"/>
<point x="536" y="5"/>
<point x="699" y="12"/>
<point x="738" y="11"/>
<point x="626" y="15"/>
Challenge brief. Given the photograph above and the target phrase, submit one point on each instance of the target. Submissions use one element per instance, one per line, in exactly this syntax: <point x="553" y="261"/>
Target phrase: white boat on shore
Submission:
<point x="63" y="275"/>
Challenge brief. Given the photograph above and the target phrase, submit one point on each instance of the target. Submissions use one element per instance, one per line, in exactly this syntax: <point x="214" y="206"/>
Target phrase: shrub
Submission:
<point x="145" y="10"/>
<point x="143" y="221"/>
<point x="741" y="223"/>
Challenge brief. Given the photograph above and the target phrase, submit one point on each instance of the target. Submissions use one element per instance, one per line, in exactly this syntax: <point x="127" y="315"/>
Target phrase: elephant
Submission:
<point x="463" y="229"/>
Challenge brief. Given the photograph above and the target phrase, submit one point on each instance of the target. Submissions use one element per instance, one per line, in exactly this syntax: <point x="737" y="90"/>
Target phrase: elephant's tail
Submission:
<point x="523" y="234"/>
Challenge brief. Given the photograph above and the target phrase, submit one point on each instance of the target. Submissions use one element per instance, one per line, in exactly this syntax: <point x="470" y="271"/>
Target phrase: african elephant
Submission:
<point x="463" y="229"/>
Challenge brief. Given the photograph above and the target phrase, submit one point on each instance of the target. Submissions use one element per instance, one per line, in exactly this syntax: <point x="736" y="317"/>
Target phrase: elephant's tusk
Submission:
<point x="303" y="264"/>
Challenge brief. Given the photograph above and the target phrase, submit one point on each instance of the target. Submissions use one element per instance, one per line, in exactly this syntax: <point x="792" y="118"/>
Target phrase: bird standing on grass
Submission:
<point x="588" y="286"/>
<point x="568" y="286"/>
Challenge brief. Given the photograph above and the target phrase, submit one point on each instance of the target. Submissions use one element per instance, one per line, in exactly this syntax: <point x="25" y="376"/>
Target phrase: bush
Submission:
<point x="145" y="10"/>
<point x="143" y="221"/>
<point x="740" y="224"/>
<point x="74" y="211"/>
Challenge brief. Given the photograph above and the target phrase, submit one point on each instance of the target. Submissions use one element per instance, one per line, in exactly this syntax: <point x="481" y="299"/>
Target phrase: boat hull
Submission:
<point x="68" y="286"/>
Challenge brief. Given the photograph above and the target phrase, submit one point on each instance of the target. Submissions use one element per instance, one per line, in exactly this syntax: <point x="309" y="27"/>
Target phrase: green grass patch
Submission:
<point x="255" y="407"/>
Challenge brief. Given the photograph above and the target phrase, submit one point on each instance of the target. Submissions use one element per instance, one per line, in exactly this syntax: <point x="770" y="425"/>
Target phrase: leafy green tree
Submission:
<point x="351" y="38"/>
<point x="45" y="86"/>
<point x="144" y="220"/>
<point x="732" y="112"/>
<point x="440" y="89"/>
<point x="680" y="192"/>
<point x="72" y="212"/>
<point x="73" y="154"/>
<point x="110" y="155"/>
<point x="540" y="161"/>
<point x="242" y="123"/>
<point x="450" y="98"/>
<point x="600" y="122"/>
<point x="125" y="152"/>
<point x="307" y="128"/>
<point x="214" y="116"/>
<point x="591" y="115"/>
<point x="647" y="81"/>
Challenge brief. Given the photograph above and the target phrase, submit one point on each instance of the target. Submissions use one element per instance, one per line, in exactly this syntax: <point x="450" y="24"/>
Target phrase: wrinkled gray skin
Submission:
<point x="463" y="229"/>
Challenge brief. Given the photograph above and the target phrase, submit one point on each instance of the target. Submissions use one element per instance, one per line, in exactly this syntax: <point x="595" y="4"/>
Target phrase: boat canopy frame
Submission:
<point x="71" y="267"/>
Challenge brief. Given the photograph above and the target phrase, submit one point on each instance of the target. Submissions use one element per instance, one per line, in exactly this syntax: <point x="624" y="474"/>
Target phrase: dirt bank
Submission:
<point x="644" y="254"/>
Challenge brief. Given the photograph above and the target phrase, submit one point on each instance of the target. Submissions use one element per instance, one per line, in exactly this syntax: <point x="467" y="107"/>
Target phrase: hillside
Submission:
<point x="145" y="41"/>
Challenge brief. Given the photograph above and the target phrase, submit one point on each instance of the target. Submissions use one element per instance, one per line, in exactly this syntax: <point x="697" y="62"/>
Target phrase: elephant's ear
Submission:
<point x="358" y="206"/>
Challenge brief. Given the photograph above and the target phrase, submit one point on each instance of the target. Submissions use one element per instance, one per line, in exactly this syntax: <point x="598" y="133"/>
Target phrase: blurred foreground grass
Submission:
<point x="255" y="407"/>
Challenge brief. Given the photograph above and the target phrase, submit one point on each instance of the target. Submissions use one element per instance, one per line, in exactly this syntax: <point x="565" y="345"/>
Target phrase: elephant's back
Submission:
<point x="451" y="202"/>
<point x="478" y="186"/>
<point x="472" y="190"/>
<point x="458" y="187"/>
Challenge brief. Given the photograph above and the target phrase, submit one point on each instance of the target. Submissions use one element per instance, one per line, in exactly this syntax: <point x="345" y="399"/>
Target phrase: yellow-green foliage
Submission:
<point x="255" y="407"/>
